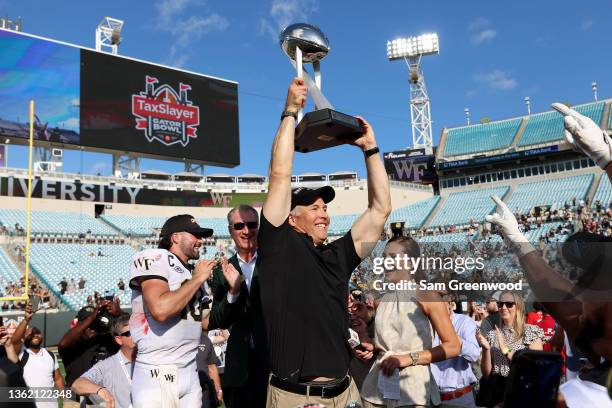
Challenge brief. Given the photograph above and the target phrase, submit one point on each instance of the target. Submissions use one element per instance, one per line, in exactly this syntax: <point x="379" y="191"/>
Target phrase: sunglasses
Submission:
<point x="125" y="334"/>
<point x="509" y="305"/>
<point x="239" y="226"/>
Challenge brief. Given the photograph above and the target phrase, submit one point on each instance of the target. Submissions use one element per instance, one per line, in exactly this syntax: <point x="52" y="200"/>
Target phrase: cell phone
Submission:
<point x="534" y="379"/>
<point x="1" y="320"/>
<point x="34" y="302"/>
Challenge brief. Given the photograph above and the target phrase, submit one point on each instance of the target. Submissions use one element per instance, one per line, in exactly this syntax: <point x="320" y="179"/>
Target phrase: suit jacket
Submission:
<point x="246" y="321"/>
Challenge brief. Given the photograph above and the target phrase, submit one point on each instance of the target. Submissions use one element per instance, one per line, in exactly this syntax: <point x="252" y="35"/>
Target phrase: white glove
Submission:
<point x="509" y="227"/>
<point x="585" y="136"/>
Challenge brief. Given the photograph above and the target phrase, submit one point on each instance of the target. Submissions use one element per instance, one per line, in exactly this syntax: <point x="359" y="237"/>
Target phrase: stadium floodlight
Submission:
<point x="528" y="103"/>
<point x="594" y="88"/>
<point x="400" y="48"/>
<point x="411" y="50"/>
<point x="108" y="34"/>
<point x="467" y="115"/>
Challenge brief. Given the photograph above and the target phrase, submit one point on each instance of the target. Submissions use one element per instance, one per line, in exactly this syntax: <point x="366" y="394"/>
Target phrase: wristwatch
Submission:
<point x="370" y="152"/>
<point x="288" y="113"/>
<point x="414" y="356"/>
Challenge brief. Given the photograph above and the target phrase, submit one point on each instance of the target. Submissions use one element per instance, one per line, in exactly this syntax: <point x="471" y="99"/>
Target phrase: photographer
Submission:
<point x="90" y="340"/>
<point x="110" y="379"/>
<point x="40" y="367"/>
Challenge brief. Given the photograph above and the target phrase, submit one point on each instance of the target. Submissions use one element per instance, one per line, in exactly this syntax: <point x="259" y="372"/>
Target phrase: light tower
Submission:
<point x="528" y="104"/>
<point x="467" y="115"/>
<point x="594" y="89"/>
<point x="411" y="50"/>
<point x="108" y="35"/>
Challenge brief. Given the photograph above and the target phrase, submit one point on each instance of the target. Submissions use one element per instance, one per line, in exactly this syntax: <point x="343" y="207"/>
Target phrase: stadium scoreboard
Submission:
<point x="108" y="103"/>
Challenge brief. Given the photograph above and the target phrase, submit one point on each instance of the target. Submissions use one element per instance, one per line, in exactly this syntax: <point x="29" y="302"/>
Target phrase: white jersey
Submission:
<point x="176" y="340"/>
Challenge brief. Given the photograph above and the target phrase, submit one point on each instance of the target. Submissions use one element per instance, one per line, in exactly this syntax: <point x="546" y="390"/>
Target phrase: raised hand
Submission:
<point x="367" y="140"/>
<point x="585" y="136"/>
<point x="232" y="276"/>
<point x="296" y="95"/>
<point x="203" y="269"/>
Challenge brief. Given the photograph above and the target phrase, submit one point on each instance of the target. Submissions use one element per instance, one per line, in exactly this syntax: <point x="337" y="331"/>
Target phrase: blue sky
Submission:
<point x="493" y="54"/>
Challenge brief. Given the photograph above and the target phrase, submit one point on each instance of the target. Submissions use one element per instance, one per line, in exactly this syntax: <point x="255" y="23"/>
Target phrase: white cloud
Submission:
<point x="185" y="30"/>
<point x="497" y="79"/>
<point x="486" y="35"/>
<point x="481" y="31"/>
<point x="286" y="12"/>
<point x="471" y="93"/>
<point x="587" y="24"/>
<point x="478" y="24"/>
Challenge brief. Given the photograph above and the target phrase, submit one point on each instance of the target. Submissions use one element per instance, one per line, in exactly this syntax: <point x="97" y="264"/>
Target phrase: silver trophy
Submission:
<point x="324" y="127"/>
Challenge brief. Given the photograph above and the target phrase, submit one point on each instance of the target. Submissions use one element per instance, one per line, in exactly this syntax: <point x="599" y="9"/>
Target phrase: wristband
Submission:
<point x="505" y="350"/>
<point x="289" y="113"/>
<point x="370" y="152"/>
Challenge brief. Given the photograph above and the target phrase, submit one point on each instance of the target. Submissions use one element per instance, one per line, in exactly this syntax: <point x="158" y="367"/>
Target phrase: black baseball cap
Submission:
<point x="184" y="223"/>
<point x="307" y="196"/>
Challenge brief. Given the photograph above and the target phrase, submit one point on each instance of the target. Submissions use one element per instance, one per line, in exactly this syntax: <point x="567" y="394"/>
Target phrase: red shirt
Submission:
<point x="544" y="321"/>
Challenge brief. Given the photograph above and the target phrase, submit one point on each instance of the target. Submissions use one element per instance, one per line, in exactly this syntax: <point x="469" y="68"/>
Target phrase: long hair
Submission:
<point x="519" y="321"/>
<point x="411" y="248"/>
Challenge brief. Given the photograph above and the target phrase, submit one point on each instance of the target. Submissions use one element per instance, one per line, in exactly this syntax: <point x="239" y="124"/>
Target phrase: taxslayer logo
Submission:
<point x="164" y="115"/>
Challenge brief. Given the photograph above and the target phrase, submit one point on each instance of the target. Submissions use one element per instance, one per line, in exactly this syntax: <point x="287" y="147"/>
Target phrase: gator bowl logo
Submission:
<point x="164" y="115"/>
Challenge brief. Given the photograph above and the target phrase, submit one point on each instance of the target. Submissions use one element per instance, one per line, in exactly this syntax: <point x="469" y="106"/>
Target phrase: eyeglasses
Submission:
<point x="509" y="305"/>
<point x="125" y="334"/>
<point x="239" y="226"/>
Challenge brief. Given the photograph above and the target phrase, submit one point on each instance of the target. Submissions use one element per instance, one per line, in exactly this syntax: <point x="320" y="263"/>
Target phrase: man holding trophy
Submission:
<point x="304" y="281"/>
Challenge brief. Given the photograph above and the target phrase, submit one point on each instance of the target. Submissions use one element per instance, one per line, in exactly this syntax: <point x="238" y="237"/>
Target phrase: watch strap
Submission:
<point x="370" y="152"/>
<point x="289" y="113"/>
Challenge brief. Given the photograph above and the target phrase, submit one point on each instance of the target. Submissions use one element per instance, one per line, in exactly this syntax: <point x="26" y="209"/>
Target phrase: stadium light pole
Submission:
<point x="467" y="115"/>
<point x="594" y="88"/>
<point x="108" y="35"/>
<point x="108" y="38"/>
<point x="528" y="103"/>
<point x="411" y="50"/>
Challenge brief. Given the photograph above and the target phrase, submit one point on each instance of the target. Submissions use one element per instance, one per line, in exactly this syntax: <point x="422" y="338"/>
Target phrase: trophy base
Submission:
<point x="325" y="128"/>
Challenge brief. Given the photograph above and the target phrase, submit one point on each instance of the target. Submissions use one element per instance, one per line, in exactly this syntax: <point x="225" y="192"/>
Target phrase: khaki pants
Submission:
<point x="278" y="398"/>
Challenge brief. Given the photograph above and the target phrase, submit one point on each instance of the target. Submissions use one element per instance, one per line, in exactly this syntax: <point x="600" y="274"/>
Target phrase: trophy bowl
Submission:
<point x="311" y="40"/>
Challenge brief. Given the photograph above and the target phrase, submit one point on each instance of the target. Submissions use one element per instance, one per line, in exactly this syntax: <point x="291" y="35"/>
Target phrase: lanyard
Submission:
<point x="125" y="369"/>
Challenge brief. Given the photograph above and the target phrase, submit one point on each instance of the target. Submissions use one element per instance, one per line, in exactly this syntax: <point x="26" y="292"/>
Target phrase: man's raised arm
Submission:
<point x="278" y="201"/>
<point x="368" y="227"/>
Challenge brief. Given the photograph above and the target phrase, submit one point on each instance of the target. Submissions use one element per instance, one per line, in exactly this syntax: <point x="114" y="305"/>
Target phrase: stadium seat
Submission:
<point x="414" y="215"/>
<point x="8" y="270"/>
<point x="146" y="226"/>
<point x="55" y="223"/>
<point x="548" y="126"/>
<point x="481" y="137"/>
<point x="554" y="192"/>
<point x="604" y="192"/>
<point x="461" y="207"/>
<point x="101" y="272"/>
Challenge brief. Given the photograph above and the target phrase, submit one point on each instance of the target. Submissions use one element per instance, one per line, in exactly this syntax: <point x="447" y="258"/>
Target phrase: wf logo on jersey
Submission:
<point x="164" y="115"/>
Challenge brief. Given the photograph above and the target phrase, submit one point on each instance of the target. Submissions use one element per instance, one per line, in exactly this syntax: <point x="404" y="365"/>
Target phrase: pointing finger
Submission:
<point x="568" y="112"/>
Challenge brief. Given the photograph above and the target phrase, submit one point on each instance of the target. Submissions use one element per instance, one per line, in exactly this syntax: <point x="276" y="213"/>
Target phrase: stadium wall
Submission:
<point x="347" y="202"/>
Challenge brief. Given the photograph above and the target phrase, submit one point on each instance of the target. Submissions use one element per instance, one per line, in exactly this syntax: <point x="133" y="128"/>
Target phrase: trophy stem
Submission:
<point x="317" y="71"/>
<point x="300" y="74"/>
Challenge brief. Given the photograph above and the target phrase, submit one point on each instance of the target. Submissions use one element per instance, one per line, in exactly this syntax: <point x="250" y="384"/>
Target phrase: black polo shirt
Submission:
<point x="304" y="290"/>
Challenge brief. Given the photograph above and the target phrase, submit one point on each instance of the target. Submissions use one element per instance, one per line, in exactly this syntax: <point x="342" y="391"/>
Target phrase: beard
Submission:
<point x="28" y="343"/>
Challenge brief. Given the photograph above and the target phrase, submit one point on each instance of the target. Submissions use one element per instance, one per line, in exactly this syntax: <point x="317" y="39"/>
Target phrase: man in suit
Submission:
<point x="246" y="366"/>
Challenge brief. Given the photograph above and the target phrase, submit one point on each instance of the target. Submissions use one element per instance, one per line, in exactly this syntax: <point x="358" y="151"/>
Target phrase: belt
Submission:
<point x="445" y="396"/>
<point x="323" y="390"/>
